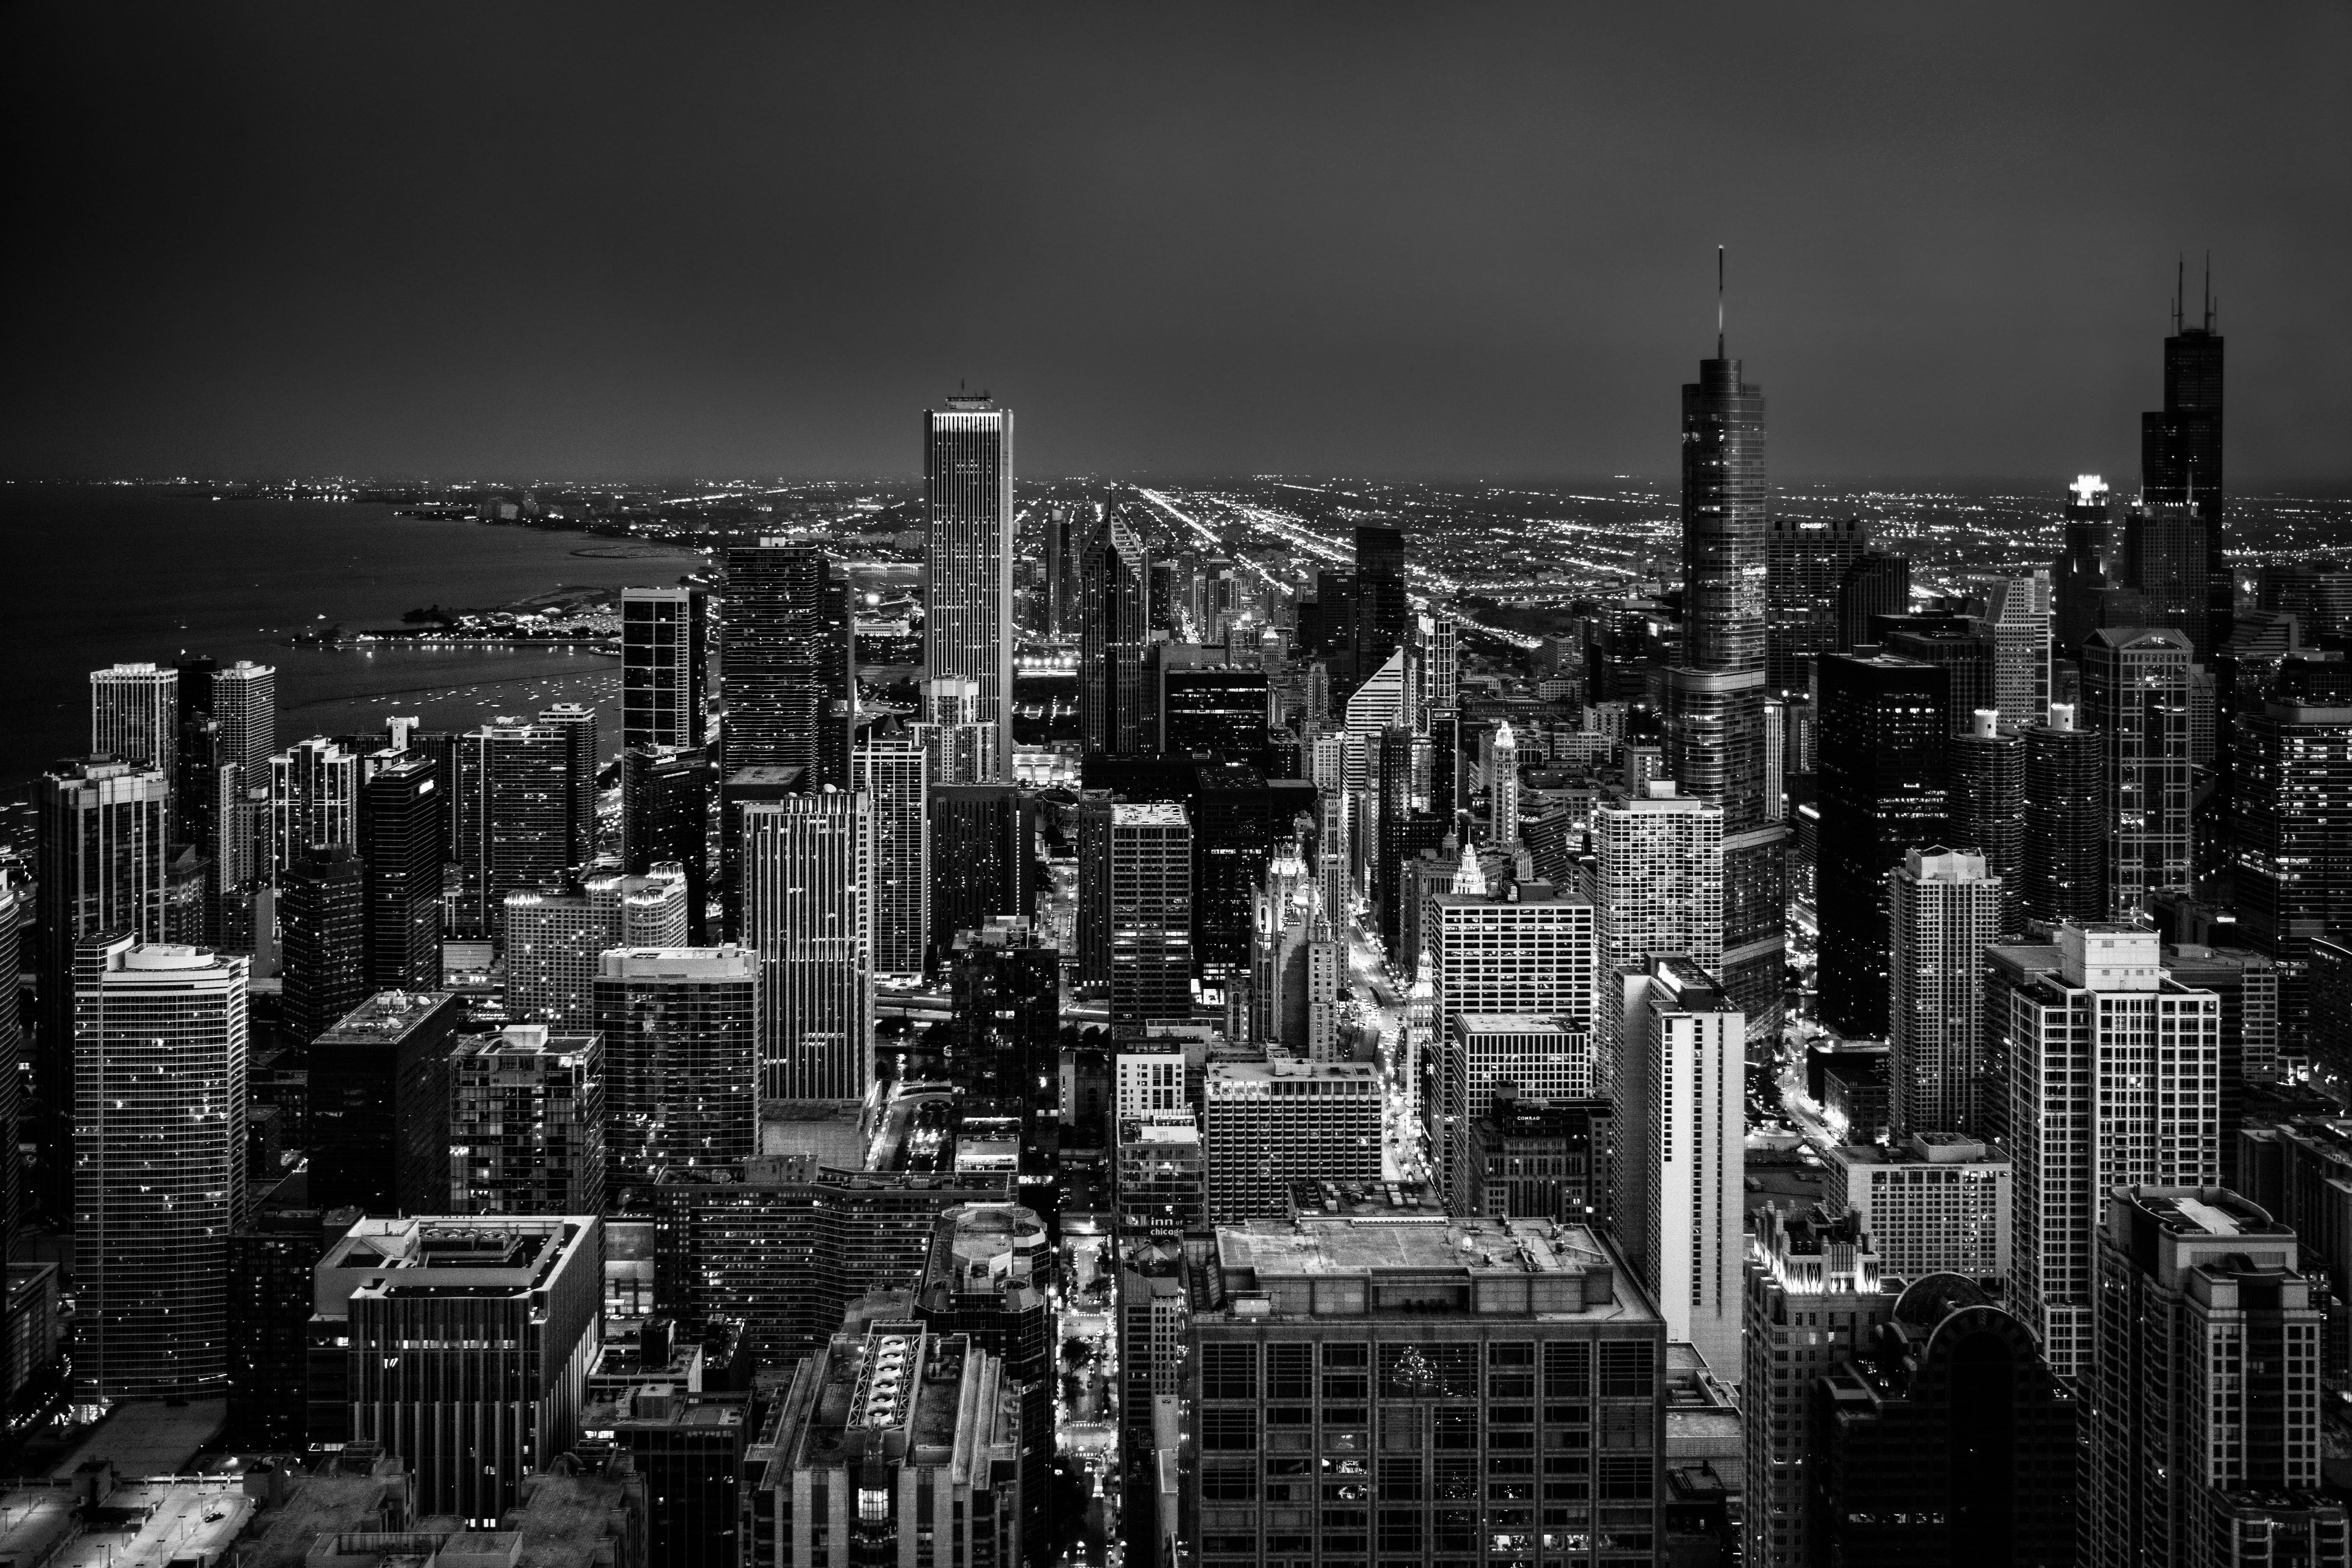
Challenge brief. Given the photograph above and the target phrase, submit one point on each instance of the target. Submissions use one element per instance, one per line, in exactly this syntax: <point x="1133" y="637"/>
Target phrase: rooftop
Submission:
<point x="2202" y="1211"/>
<point x="387" y="1013"/>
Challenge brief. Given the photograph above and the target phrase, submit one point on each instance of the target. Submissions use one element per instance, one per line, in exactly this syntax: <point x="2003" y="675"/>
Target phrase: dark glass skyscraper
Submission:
<point x="1806" y="559"/>
<point x="2080" y="575"/>
<point x="1114" y="626"/>
<point x="1988" y="808"/>
<point x="1876" y="584"/>
<point x="661" y="667"/>
<point x="1715" y="697"/>
<point x="2180" y="445"/>
<point x="666" y="816"/>
<point x="968" y="556"/>
<point x="2066" y="820"/>
<point x="1378" y="608"/>
<point x="783" y="666"/>
<point x="403" y="819"/>
<point x="322" y="925"/>
<point x="1884" y="780"/>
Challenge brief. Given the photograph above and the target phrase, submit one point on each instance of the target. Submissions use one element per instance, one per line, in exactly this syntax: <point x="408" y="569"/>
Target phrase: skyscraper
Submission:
<point x="2205" y="1445"/>
<point x="2080" y="576"/>
<point x="2181" y="446"/>
<point x="575" y="723"/>
<point x="1876" y="584"/>
<point x="2066" y="823"/>
<point x="527" y="1123"/>
<point x="516" y="832"/>
<point x="968" y="555"/>
<point x="1885" y="756"/>
<point x="314" y="800"/>
<point x="893" y="772"/>
<point x="1947" y="909"/>
<point x="982" y="858"/>
<point x="378" y="1103"/>
<point x="244" y="704"/>
<point x="1988" y="808"/>
<point x="2165" y="559"/>
<point x="403" y="817"/>
<point x="101" y="835"/>
<point x="784" y="669"/>
<point x="1141" y="879"/>
<point x="1503" y="790"/>
<point x="681" y="1031"/>
<point x="1377" y="608"/>
<point x="1679" y="1180"/>
<point x="1114" y="627"/>
<point x="160" y="1070"/>
<point x="2136" y="695"/>
<point x="662" y="634"/>
<point x="2114" y="1079"/>
<point x="14" y="920"/>
<point x="2017" y="614"/>
<point x="1657" y="892"/>
<point x="666" y="797"/>
<point x="1805" y="560"/>
<point x="134" y="715"/>
<point x="808" y="914"/>
<point x="322" y="933"/>
<point x="2292" y="835"/>
<point x="1715" y="698"/>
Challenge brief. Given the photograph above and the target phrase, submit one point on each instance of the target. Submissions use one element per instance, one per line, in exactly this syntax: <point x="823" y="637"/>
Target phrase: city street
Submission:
<point x="1381" y="995"/>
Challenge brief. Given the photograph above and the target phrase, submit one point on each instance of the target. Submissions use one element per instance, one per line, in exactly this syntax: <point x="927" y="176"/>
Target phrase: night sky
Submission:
<point x="498" y="240"/>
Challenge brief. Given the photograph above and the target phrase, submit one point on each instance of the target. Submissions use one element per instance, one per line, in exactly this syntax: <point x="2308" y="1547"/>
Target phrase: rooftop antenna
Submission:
<point x="2209" y="291"/>
<point x="2179" y="273"/>
<point x="1719" y="301"/>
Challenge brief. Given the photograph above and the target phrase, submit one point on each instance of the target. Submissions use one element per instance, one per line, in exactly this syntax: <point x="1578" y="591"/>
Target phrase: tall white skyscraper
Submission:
<point x="968" y="552"/>
<point x="554" y="941"/>
<point x="2019" y="609"/>
<point x="159" y="1164"/>
<point x="134" y="715"/>
<point x="1947" y="910"/>
<point x="808" y="914"/>
<point x="1503" y="788"/>
<point x="245" y="702"/>
<point x="1680" y="1182"/>
<point x="893" y="772"/>
<point x="1335" y="763"/>
<point x="2115" y="1076"/>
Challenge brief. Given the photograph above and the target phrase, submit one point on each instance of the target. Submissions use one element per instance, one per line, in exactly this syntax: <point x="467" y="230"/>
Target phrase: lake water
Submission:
<point x="104" y="574"/>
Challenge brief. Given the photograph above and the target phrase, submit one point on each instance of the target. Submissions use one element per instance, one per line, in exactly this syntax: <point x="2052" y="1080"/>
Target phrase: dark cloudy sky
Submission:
<point x="1438" y="239"/>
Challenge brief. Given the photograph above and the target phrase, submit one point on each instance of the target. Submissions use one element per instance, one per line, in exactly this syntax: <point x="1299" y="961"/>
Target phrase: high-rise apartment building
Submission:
<point x="379" y="1104"/>
<point x="2115" y="1071"/>
<point x="1815" y="1296"/>
<point x="527" y="1123"/>
<point x="134" y="715"/>
<point x="894" y="1443"/>
<point x="1213" y="707"/>
<point x="2135" y="685"/>
<point x="1114" y="630"/>
<point x="1805" y="560"/>
<point x="1657" y="887"/>
<point x="160" y="1048"/>
<point x="314" y="801"/>
<point x="2017" y="614"/>
<point x="1987" y="809"/>
<point x="2066" y="824"/>
<point x="1264" y="1125"/>
<point x="461" y="1344"/>
<point x="2205" y="1445"/>
<point x="1546" y="1059"/>
<point x="682" y="1033"/>
<point x="404" y="819"/>
<point x="808" y="914"/>
<point x="515" y="828"/>
<point x="244" y="704"/>
<point x="968" y="630"/>
<point x="662" y="673"/>
<point x="322" y="939"/>
<point x="1946" y="908"/>
<point x="666" y="800"/>
<point x="553" y="940"/>
<point x="2291" y="835"/>
<point x="1935" y="1203"/>
<point x="102" y="832"/>
<point x="1502" y="1382"/>
<point x="1884" y="782"/>
<point x="982" y="858"/>
<point x="1135" y="897"/>
<point x="785" y="670"/>
<point x="1678" y="1188"/>
<point x="894" y="771"/>
<point x="14" y="916"/>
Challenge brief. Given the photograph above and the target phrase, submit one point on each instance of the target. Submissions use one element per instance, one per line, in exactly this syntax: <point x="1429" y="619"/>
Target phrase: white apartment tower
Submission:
<point x="159" y="1164"/>
<point x="1680" y="1192"/>
<point x="134" y="714"/>
<point x="1658" y="888"/>
<point x="1947" y="910"/>
<point x="807" y="913"/>
<point x="2115" y="1080"/>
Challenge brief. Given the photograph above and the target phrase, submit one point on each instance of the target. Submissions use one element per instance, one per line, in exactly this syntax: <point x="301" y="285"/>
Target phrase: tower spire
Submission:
<point x="2179" y="281"/>
<point x="2209" y="291"/>
<point x="1719" y="301"/>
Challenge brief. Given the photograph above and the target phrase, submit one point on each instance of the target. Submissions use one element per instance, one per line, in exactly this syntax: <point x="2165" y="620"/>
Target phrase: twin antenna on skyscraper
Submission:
<point x="1719" y="301"/>
<point x="2179" y="288"/>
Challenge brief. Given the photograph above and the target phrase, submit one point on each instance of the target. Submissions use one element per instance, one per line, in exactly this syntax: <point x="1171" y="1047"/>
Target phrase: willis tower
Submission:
<point x="2181" y="446"/>
<point x="1715" y="699"/>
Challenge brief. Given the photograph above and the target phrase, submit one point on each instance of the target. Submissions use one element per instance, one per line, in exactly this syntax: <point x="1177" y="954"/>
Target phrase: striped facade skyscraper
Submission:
<point x="894" y="772"/>
<point x="1715" y="699"/>
<point x="134" y="714"/>
<point x="661" y="667"/>
<point x="808" y="913"/>
<point x="1946" y="908"/>
<point x="968" y="553"/>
